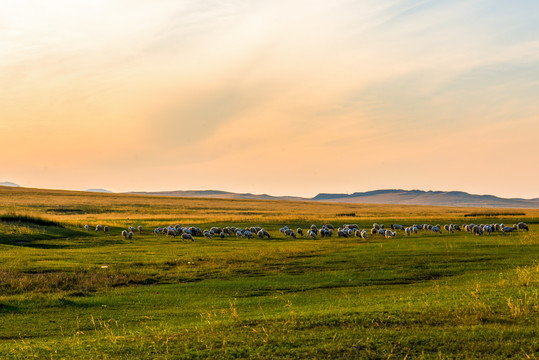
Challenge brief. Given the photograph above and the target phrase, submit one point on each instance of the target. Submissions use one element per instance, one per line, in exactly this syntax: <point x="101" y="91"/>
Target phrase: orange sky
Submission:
<point x="285" y="98"/>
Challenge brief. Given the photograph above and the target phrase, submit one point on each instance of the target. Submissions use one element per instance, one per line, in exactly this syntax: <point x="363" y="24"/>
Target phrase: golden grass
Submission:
<point x="80" y="207"/>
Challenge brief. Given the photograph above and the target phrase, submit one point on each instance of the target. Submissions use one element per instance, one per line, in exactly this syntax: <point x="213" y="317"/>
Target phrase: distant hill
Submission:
<point x="7" y="183"/>
<point x="436" y="198"/>
<point x="217" y="194"/>
<point x="99" y="191"/>
<point x="388" y="196"/>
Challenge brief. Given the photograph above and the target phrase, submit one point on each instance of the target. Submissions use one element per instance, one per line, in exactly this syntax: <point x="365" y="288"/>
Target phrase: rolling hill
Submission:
<point x="391" y="196"/>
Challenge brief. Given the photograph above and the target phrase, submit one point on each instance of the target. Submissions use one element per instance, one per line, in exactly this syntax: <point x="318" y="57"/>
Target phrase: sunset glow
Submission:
<point x="280" y="97"/>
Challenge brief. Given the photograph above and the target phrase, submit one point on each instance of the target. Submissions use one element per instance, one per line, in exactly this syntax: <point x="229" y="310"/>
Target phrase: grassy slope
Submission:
<point x="424" y="296"/>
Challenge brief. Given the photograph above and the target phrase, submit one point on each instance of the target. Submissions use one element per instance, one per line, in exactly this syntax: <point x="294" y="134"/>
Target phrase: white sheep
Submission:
<point x="86" y="227"/>
<point x="477" y="230"/>
<point x="522" y="226"/>
<point x="187" y="236"/>
<point x="364" y="234"/>
<point x="130" y="235"/>
<point x="140" y="229"/>
<point x="124" y="234"/>
<point x="507" y="229"/>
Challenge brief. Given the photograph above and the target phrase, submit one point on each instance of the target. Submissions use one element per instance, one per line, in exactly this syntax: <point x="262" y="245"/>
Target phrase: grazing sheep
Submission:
<point x="376" y="226"/>
<point x="86" y="227"/>
<point x="507" y="229"/>
<point x="329" y="233"/>
<point x="171" y="232"/>
<point x="436" y="229"/>
<point x="263" y="233"/>
<point x="397" y="227"/>
<point x="477" y="230"/>
<point x="300" y="231"/>
<point x="342" y="233"/>
<point x="130" y="235"/>
<point x="382" y="232"/>
<point x="522" y="226"/>
<point x="239" y="233"/>
<point x="329" y="226"/>
<point x="99" y="228"/>
<point x="222" y="234"/>
<point x="390" y="233"/>
<point x="311" y="234"/>
<point x="140" y="229"/>
<point x="186" y="236"/>
<point x="364" y="234"/>
<point x="290" y="232"/>
<point x="207" y="234"/>
<point x="216" y="230"/>
<point x="374" y="231"/>
<point x="408" y="231"/>
<point x="157" y="231"/>
<point x="124" y="234"/>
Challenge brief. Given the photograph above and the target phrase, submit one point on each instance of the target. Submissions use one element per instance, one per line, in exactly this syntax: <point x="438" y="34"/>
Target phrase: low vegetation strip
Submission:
<point x="494" y="214"/>
<point x="28" y="219"/>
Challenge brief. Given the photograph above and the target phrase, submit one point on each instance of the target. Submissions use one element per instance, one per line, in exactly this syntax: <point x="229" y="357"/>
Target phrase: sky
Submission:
<point x="284" y="97"/>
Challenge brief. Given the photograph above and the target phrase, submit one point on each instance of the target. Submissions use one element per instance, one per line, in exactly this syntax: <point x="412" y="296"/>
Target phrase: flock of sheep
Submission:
<point x="327" y="230"/>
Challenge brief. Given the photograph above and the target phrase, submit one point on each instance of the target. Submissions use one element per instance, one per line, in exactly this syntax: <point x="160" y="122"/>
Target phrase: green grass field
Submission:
<point x="67" y="293"/>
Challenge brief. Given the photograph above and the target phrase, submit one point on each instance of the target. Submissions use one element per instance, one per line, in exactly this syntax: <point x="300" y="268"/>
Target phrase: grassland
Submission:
<point x="68" y="293"/>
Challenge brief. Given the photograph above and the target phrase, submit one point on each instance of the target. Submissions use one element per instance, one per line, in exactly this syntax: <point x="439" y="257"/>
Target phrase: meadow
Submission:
<point x="68" y="293"/>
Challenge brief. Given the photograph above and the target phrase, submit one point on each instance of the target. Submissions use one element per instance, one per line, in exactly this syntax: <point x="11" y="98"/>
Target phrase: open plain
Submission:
<point x="71" y="293"/>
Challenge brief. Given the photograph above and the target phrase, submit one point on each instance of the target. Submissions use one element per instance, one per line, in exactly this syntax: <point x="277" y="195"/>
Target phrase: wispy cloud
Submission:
<point x="297" y="90"/>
